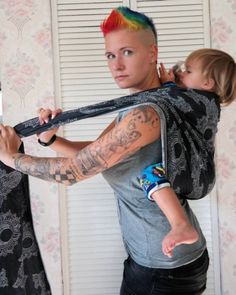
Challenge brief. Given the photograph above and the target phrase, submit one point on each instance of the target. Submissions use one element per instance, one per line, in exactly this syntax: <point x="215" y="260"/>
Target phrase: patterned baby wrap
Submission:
<point x="21" y="268"/>
<point x="188" y="127"/>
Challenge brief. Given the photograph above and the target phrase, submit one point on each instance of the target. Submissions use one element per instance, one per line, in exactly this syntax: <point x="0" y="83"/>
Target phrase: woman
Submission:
<point x="123" y="150"/>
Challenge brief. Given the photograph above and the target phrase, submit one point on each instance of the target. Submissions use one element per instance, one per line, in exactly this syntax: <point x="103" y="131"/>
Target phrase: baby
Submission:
<point x="205" y="69"/>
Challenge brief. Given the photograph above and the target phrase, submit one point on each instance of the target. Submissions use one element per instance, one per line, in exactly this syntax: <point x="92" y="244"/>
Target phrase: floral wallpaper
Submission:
<point x="223" y="36"/>
<point x="27" y="83"/>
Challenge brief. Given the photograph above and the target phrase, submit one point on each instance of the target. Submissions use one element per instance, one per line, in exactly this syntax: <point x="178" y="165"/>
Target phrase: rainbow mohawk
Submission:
<point x="125" y="18"/>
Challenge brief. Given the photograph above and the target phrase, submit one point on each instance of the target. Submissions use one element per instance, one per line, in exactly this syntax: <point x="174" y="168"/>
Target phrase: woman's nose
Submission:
<point x="118" y="64"/>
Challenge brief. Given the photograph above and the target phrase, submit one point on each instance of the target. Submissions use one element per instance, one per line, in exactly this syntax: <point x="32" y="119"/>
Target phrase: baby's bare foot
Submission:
<point x="183" y="234"/>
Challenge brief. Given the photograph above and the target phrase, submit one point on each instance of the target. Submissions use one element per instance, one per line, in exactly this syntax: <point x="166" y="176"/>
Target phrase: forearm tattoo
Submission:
<point x="105" y="152"/>
<point x="50" y="169"/>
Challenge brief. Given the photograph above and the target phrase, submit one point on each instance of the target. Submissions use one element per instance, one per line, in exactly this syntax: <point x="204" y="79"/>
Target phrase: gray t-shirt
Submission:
<point x="143" y="225"/>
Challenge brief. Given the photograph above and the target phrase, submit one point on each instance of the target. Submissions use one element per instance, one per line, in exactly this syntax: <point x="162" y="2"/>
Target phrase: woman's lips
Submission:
<point x="121" y="77"/>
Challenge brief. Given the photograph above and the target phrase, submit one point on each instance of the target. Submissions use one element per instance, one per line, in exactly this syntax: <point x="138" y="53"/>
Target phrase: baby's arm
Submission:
<point x="157" y="188"/>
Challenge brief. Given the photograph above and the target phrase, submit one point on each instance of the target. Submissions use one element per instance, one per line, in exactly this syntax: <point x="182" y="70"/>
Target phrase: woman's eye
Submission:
<point x="127" y="52"/>
<point x="110" y="56"/>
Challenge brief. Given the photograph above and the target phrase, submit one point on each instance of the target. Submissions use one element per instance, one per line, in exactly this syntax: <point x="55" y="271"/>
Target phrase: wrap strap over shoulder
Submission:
<point x="188" y="127"/>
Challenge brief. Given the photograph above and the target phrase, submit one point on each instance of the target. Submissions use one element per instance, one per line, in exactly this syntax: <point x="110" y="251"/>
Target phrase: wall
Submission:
<point x="26" y="64"/>
<point x="223" y="25"/>
<point x="27" y="84"/>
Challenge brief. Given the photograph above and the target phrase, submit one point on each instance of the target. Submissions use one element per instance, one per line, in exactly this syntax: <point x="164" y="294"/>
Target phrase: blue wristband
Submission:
<point x="168" y="84"/>
<point x="153" y="178"/>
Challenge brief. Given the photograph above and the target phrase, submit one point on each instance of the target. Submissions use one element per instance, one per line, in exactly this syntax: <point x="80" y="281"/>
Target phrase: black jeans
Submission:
<point x="189" y="279"/>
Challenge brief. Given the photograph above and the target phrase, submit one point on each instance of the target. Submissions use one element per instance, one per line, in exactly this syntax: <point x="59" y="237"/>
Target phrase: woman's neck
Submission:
<point x="150" y="83"/>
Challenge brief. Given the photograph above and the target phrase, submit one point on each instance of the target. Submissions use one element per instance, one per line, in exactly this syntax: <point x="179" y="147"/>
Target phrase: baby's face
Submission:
<point x="191" y="76"/>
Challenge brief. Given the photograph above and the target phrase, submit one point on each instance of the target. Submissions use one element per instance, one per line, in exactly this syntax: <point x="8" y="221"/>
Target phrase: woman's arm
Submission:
<point x="61" y="145"/>
<point x="68" y="148"/>
<point x="140" y="127"/>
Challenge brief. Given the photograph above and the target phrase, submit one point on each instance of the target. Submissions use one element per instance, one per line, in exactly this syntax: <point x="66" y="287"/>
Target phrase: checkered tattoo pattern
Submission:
<point x="66" y="177"/>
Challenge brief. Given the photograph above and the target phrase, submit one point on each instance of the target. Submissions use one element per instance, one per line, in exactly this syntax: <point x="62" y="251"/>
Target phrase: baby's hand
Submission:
<point x="166" y="76"/>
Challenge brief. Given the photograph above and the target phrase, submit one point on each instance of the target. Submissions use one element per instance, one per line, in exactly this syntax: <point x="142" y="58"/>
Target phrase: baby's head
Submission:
<point x="212" y="70"/>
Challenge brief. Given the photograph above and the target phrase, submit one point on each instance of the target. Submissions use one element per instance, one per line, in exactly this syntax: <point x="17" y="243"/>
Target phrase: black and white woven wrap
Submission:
<point x="188" y="127"/>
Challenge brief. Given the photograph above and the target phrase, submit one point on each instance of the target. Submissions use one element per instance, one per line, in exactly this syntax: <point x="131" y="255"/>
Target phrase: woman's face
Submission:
<point x="131" y="59"/>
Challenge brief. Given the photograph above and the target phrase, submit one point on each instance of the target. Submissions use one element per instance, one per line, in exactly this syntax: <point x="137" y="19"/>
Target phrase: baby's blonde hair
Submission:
<point x="221" y="68"/>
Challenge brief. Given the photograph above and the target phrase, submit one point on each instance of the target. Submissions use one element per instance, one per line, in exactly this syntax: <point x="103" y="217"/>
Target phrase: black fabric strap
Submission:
<point x="32" y="126"/>
<point x="188" y="126"/>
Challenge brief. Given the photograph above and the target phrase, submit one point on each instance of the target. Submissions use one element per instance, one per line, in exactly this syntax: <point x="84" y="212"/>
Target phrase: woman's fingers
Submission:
<point x="56" y="112"/>
<point x="9" y="137"/>
<point x="46" y="114"/>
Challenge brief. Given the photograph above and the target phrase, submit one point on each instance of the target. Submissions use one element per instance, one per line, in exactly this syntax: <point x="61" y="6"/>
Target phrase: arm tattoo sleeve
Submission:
<point x="50" y="169"/>
<point x="105" y="152"/>
<point x="118" y="144"/>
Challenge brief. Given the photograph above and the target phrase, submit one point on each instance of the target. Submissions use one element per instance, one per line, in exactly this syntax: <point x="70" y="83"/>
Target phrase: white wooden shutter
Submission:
<point x="92" y="248"/>
<point x="182" y="26"/>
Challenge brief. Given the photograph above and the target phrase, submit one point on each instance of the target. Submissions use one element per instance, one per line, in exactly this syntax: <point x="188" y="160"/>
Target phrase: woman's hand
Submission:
<point x="166" y="76"/>
<point x="44" y="116"/>
<point x="9" y="144"/>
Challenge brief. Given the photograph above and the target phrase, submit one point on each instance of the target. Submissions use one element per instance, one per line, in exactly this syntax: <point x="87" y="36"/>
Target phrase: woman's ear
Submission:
<point x="153" y="53"/>
<point x="209" y="84"/>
